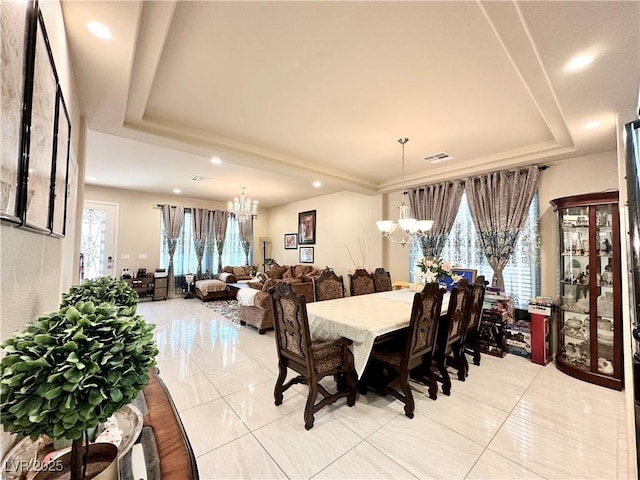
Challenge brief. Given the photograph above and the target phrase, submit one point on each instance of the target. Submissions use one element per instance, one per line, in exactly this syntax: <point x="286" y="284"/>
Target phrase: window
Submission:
<point x="185" y="259"/>
<point x="463" y="249"/>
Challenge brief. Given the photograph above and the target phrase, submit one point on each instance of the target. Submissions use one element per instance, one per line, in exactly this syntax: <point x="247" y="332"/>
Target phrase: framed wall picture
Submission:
<point x="307" y="227"/>
<point x="15" y="18"/>
<point x="469" y="274"/>
<point x="290" y="241"/>
<point x="35" y="193"/>
<point x="305" y="255"/>
<point x="60" y="172"/>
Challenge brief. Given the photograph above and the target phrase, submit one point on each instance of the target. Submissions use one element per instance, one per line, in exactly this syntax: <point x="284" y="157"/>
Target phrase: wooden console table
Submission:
<point x="177" y="460"/>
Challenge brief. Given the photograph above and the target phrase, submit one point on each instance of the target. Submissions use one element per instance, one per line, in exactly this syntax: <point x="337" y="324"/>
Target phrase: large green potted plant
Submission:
<point x="99" y="290"/>
<point x="70" y="370"/>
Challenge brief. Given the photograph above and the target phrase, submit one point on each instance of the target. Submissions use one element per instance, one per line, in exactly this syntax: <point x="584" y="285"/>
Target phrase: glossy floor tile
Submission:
<point x="510" y="419"/>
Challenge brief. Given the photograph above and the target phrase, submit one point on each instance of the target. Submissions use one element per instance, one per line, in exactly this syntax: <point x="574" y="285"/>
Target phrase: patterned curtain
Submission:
<point x="439" y="203"/>
<point x="200" y="222"/>
<point x="246" y="237"/>
<point x="211" y="242"/>
<point x="499" y="203"/>
<point x="220" y="218"/>
<point x="172" y="217"/>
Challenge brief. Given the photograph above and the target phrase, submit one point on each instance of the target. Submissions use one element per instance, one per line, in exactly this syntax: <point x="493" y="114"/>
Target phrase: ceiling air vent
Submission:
<point x="198" y="178"/>
<point x="438" y="157"/>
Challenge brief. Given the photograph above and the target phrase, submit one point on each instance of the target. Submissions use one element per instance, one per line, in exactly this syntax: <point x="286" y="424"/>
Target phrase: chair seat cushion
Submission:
<point x="327" y="355"/>
<point x="387" y="355"/>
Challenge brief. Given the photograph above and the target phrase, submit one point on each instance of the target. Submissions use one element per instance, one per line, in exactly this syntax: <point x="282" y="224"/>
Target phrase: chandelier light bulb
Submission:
<point x="243" y="208"/>
<point x="408" y="225"/>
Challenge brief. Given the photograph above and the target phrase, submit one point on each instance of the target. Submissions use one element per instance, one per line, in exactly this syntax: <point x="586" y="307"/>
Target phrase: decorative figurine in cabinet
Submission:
<point x="589" y="315"/>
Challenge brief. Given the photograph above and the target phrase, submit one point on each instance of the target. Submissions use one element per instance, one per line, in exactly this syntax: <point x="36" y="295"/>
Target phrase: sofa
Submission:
<point x="255" y="302"/>
<point x="218" y="288"/>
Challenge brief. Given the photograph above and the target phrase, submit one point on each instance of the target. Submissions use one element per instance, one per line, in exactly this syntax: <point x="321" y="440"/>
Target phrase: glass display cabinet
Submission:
<point x="589" y="314"/>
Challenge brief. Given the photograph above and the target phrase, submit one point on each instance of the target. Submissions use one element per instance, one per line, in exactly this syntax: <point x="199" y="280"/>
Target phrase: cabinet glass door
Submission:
<point x="604" y="280"/>
<point x="574" y="287"/>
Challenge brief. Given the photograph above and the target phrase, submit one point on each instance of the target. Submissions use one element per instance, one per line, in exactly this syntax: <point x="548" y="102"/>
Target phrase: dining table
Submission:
<point x="363" y="319"/>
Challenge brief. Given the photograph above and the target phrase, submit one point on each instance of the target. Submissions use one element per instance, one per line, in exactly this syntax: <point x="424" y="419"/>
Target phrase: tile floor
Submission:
<point x="511" y="418"/>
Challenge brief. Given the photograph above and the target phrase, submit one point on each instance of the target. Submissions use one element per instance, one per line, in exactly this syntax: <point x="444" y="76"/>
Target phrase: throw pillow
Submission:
<point x="238" y="271"/>
<point x="277" y="272"/>
<point x="270" y="282"/>
<point x="300" y="270"/>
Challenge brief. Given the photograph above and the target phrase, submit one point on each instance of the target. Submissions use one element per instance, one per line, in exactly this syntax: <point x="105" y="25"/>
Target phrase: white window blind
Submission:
<point x="463" y="249"/>
<point x="185" y="259"/>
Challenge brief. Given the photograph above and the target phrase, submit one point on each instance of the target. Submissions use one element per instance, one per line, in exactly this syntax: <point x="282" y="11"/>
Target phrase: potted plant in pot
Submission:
<point x="99" y="290"/>
<point x="70" y="370"/>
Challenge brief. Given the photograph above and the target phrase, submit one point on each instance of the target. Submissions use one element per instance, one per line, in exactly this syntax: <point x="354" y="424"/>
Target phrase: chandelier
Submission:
<point x="243" y="208"/>
<point x="407" y="226"/>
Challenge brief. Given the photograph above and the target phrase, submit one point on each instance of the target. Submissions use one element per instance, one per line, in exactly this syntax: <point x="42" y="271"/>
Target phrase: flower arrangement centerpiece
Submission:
<point x="430" y="270"/>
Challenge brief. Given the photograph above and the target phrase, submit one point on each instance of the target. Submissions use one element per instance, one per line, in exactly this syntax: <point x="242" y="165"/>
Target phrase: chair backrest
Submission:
<point x="457" y="315"/>
<point x="381" y="280"/>
<point x="327" y="286"/>
<point x="361" y="282"/>
<point x="293" y="338"/>
<point x="423" y="326"/>
<point x="477" y="298"/>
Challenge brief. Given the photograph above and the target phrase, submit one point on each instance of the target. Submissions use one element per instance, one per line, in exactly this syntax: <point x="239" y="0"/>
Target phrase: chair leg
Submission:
<point x="352" y="383"/>
<point x="446" y="380"/>
<point x="458" y="357"/>
<point x="282" y="375"/>
<point x="433" y="385"/>
<point x="476" y="351"/>
<point x="409" y="403"/>
<point x="466" y="363"/>
<point x="311" y="400"/>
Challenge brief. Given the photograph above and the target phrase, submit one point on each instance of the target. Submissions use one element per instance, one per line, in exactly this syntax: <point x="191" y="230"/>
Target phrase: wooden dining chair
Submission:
<point x="451" y="331"/>
<point x="311" y="360"/>
<point x="411" y="349"/>
<point x="381" y="280"/>
<point x="327" y="286"/>
<point x="471" y="342"/>
<point x="361" y="282"/>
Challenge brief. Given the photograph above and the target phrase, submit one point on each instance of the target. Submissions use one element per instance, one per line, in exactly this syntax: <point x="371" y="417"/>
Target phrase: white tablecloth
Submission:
<point x="361" y="319"/>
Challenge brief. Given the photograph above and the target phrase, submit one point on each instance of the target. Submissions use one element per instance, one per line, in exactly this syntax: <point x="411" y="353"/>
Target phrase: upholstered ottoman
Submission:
<point x="212" y="289"/>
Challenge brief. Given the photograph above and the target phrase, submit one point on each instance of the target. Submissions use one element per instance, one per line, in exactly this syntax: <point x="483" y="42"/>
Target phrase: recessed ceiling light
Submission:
<point x="99" y="30"/>
<point x="594" y="124"/>
<point x="579" y="62"/>
<point x="177" y="190"/>
<point x="317" y="184"/>
<point x="216" y="161"/>
<point x="91" y="179"/>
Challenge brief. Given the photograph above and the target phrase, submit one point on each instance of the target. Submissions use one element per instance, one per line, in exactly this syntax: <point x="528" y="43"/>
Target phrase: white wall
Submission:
<point x="35" y="269"/>
<point x="343" y="220"/>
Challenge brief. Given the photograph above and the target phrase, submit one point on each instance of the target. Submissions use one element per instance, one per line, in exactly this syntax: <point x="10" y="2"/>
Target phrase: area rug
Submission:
<point x="227" y="308"/>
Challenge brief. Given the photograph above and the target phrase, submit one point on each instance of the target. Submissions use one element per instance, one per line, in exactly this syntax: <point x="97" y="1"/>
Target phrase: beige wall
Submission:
<point x="593" y="173"/>
<point x="343" y="220"/>
<point x="587" y="174"/>
<point x="140" y="223"/>
<point x="34" y="268"/>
